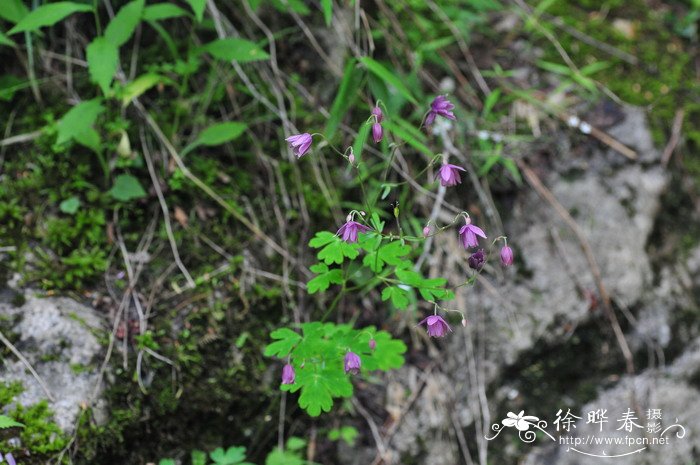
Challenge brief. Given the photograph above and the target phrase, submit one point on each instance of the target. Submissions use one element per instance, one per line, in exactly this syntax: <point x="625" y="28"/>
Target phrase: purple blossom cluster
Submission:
<point x="449" y="175"/>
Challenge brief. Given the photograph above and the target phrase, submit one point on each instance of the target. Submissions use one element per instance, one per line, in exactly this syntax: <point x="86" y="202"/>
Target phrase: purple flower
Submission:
<point x="468" y="233"/>
<point x="426" y="231"/>
<point x="349" y="231"/>
<point x="449" y="174"/>
<point x="288" y="374"/>
<point x="477" y="260"/>
<point x="300" y="143"/>
<point x="440" y="106"/>
<point x="377" y="133"/>
<point x="436" y="326"/>
<point x="352" y="363"/>
<point x="372" y="344"/>
<point x="377" y="113"/>
<point x="10" y="459"/>
<point x="506" y="256"/>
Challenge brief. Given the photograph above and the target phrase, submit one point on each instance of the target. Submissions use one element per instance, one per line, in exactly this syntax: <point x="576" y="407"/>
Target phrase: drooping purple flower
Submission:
<point x="10" y="459"/>
<point x="506" y="256"/>
<point x="288" y="374"/>
<point x="449" y="174"/>
<point x="377" y="133"/>
<point x="352" y="363"/>
<point x="300" y="143"/>
<point x="477" y="259"/>
<point x="349" y="231"/>
<point x="372" y="344"/>
<point x="377" y="113"/>
<point x="436" y="326"/>
<point x="468" y="233"/>
<point x="440" y="106"/>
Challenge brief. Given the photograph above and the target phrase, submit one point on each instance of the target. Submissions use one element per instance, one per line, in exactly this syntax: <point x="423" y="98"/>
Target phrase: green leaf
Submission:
<point x="232" y="456"/>
<point x="232" y="49"/>
<point x="120" y="29"/>
<point x="199" y="457"/>
<point x="360" y="140"/>
<point x="281" y="457"/>
<point x="325" y="278"/>
<point x="127" y="187"/>
<point x="48" y="15"/>
<point x="13" y="10"/>
<point x="346" y="96"/>
<point x="166" y="462"/>
<point x="161" y="11"/>
<point x="198" y="8"/>
<point x="295" y="443"/>
<point x="70" y="205"/>
<point x="220" y="133"/>
<point x="319" y="388"/>
<point x="103" y="59"/>
<point x="7" y="422"/>
<point x="405" y="135"/>
<point x="140" y="85"/>
<point x="390" y="253"/>
<point x="388" y="77"/>
<point x="347" y="433"/>
<point x="78" y="120"/>
<point x="286" y="339"/>
<point x="333" y="248"/>
<point x="387" y="355"/>
<point x="398" y="296"/>
<point x="327" y="7"/>
<point x="4" y="40"/>
<point x="90" y="138"/>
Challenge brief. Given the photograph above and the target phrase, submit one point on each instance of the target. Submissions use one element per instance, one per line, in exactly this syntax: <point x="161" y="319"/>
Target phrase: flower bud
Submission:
<point x="351" y="158"/>
<point x="377" y="133"/>
<point x="288" y="374"/>
<point x="506" y="256"/>
<point x="426" y="231"/>
<point x="477" y="260"/>
<point x="372" y="344"/>
<point x="464" y="322"/>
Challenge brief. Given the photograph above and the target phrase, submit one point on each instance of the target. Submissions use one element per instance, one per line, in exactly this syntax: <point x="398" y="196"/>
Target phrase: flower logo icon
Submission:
<point x="520" y="421"/>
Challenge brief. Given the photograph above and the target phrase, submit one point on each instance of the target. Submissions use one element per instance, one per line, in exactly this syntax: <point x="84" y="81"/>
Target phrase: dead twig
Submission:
<point x="675" y="137"/>
<point x="29" y="366"/>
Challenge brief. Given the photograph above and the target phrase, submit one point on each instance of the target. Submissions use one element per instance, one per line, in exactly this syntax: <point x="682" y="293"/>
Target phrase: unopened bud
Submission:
<point x="351" y="158"/>
<point x="372" y="344"/>
<point x="426" y="231"/>
<point x="464" y="322"/>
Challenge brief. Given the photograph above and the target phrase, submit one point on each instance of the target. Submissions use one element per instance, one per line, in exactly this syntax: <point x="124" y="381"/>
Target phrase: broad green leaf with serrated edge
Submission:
<point x="346" y="95"/>
<point x="48" y="15"/>
<point x="390" y="253"/>
<point x="78" y="120"/>
<point x="325" y="277"/>
<point x="398" y="296"/>
<point x="387" y="76"/>
<point x="138" y="86"/>
<point x="319" y="388"/>
<point x="127" y="187"/>
<point x="231" y="456"/>
<point x="13" y="10"/>
<point x="198" y="8"/>
<point x="103" y="59"/>
<point x="7" y="422"/>
<point x="120" y="29"/>
<point x="162" y="11"/>
<point x="232" y="49"/>
<point x="333" y="248"/>
<point x="387" y="355"/>
<point x="286" y="339"/>
<point x="327" y="7"/>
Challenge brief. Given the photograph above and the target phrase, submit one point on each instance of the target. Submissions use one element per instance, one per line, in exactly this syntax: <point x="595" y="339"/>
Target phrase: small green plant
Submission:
<point x="290" y="455"/>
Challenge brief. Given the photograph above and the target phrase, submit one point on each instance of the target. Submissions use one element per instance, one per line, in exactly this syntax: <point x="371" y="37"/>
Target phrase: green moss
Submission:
<point x="40" y="437"/>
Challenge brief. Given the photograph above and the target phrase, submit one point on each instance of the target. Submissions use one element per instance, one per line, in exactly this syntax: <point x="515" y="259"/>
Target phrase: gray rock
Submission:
<point x="547" y="294"/>
<point x="56" y="335"/>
